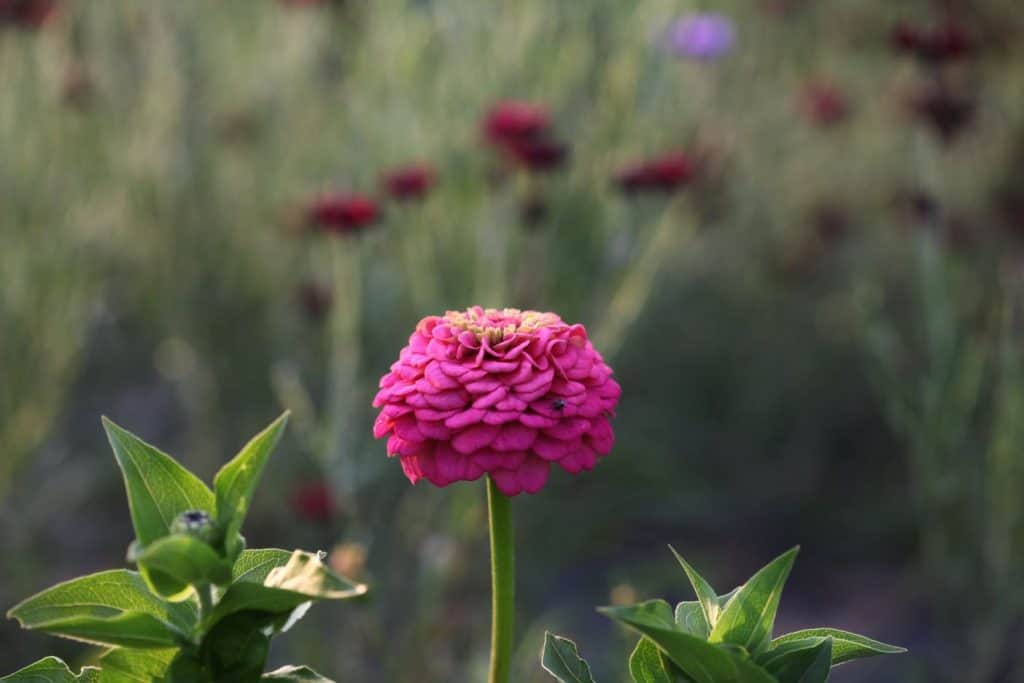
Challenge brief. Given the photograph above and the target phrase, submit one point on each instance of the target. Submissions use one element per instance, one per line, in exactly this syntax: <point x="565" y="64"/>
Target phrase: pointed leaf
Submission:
<point x="700" y="660"/>
<point x="845" y="645"/>
<point x="799" y="661"/>
<point x="706" y="595"/>
<point x="52" y="670"/>
<point x="254" y="565"/>
<point x="236" y="648"/>
<point x="749" y="616"/>
<point x="122" y="665"/>
<point x="184" y="560"/>
<point x="562" y="660"/>
<point x="690" y="619"/>
<point x="159" y="489"/>
<point x="648" y="664"/>
<point x="81" y="607"/>
<point x="286" y="587"/>
<point x="236" y="481"/>
<point x="295" y="673"/>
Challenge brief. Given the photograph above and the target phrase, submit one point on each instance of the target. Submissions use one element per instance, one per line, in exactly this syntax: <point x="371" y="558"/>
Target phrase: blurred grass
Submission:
<point x="154" y="158"/>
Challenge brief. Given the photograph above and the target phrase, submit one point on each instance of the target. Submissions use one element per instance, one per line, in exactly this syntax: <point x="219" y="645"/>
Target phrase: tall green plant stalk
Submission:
<point x="503" y="573"/>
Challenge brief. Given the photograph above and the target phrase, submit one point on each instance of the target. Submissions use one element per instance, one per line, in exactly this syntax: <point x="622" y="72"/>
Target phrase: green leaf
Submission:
<point x="302" y="579"/>
<point x="52" y="670"/>
<point x="159" y="489"/>
<point x="698" y="659"/>
<point x="648" y="664"/>
<point x="295" y="673"/>
<point x="103" y="608"/>
<point x="236" y="481"/>
<point x="749" y="616"/>
<point x="845" y="645"/>
<point x="236" y="648"/>
<point x="254" y="565"/>
<point x="562" y="660"/>
<point x="172" y="564"/>
<point x="690" y="619"/>
<point x="706" y="595"/>
<point x="129" y="629"/>
<point x="122" y="665"/>
<point x="805" y="661"/>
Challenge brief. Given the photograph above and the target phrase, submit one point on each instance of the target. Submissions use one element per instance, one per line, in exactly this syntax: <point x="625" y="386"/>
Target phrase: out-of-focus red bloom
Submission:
<point x="831" y="222"/>
<point x="513" y="120"/>
<point x="313" y="502"/>
<point x="947" y="112"/>
<point x="538" y="155"/>
<point x="823" y="104"/>
<point x="26" y="14"/>
<point x="409" y="182"/>
<point x="315" y="300"/>
<point x="662" y="174"/>
<point x="343" y="213"/>
<point x="946" y="42"/>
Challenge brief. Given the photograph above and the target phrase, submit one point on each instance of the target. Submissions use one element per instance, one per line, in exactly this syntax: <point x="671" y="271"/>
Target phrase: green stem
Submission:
<point x="503" y="583"/>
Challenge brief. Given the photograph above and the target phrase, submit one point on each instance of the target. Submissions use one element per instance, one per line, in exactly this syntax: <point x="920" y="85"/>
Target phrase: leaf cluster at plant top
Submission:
<point x="720" y="639"/>
<point x="201" y="608"/>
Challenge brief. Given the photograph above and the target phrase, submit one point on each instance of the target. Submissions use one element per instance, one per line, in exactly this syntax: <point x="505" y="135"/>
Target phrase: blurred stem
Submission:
<point x="631" y="296"/>
<point x="205" y="593"/>
<point x="499" y="508"/>
<point x="346" y="274"/>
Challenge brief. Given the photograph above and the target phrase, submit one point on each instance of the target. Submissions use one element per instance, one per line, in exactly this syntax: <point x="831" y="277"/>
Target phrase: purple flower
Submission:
<point x="703" y="37"/>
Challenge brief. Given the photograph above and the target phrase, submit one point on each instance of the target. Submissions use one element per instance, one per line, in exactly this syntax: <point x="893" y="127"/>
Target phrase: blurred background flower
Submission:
<point x="702" y="37"/>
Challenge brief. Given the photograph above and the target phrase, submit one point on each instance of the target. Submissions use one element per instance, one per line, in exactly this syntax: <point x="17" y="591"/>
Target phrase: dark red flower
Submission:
<point x="946" y="42"/>
<point x="343" y="213"/>
<point x="313" y="502"/>
<point x="831" y="222"/>
<point x="409" y="182"/>
<point x="823" y="104"/>
<point x="315" y="300"/>
<point x="513" y="120"/>
<point x="662" y="174"/>
<point x="537" y="155"/>
<point x="947" y="112"/>
<point x="26" y="14"/>
<point x="905" y="38"/>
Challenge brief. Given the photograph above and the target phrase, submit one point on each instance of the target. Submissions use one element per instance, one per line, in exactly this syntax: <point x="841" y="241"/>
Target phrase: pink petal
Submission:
<point x="552" y="449"/>
<point x="491" y="399"/>
<point x="533" y="475"/>
<point x="406" y="428"/>
<point x="474" y="438"/>
<point x="500" y="417"/>
<point x="464" y="419"/>
<point x="514" y="437"/>
<point x="537" y="421"/>
<point x="568" y="429"/>
<point x="446" y="400"/>
<point x="601" y="436"/>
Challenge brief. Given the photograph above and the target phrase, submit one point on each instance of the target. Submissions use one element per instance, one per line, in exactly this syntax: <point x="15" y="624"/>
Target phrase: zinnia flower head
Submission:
<point x="513" y="120"/>
<point x="661" y="174"/>
<point x="342" y="213"/>
<point x="503" y="392"/>
<point x="538" y="156"/>
<point x="703" y="37"/>
<point x="409" y="182"/>
<point x="26" y="14"/>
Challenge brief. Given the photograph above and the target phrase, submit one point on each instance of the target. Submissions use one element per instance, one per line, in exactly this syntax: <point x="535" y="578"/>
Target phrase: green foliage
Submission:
<point x="726" y="639"/>
<point x="52" y="670"/>
<point x="201" y="609"/>
<point x="561" y="659"/>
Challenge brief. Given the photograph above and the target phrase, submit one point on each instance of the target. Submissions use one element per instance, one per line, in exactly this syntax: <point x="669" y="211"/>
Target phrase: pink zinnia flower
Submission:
<point x="502" y="392"/>
<point x="409" y="182"/>
<point x="343" y="213"/>
<point x="512" y="120"/>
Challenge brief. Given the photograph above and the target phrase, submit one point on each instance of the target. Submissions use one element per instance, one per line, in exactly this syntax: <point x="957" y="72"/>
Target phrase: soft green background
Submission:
<point x="859" y="396"/>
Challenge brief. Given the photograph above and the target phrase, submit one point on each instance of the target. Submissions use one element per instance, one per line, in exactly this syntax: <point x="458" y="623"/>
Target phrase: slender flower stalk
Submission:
<point x="503" y="588"/>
